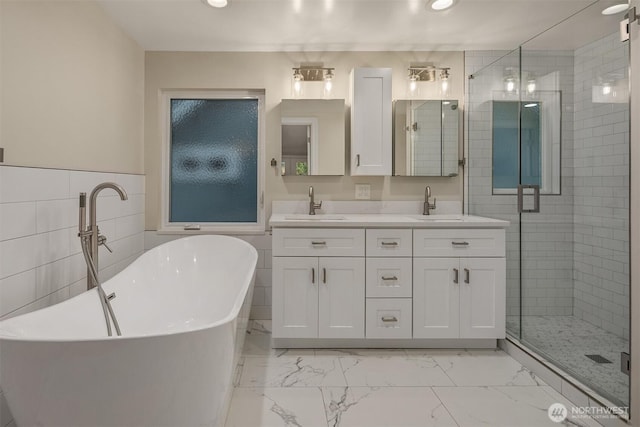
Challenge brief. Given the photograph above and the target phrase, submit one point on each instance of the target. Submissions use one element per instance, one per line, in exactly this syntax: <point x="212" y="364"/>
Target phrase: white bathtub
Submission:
<point x="183" y="308"/>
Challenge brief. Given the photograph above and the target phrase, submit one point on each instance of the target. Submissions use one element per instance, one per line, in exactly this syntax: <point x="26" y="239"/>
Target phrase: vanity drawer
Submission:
<point x="389" y="277"/>
<point x="388" y="318"/>
<point x="318" y="242"/>
<point x="389" y="242"/>
<point x="455" y="242"/>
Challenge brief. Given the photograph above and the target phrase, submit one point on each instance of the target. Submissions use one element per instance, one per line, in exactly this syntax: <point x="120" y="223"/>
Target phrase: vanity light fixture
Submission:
<point x="216" y="3"/>
<point x="427" y="73"/>
<point x="312" y="74"/>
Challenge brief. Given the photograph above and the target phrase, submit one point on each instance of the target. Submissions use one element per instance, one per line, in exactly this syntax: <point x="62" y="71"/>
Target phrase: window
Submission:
<point x="213" y="150"/>
<point x="526" y="144"/>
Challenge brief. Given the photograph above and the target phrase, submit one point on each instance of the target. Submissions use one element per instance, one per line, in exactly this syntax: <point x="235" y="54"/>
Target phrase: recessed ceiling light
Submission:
<point x="616" y="8"/>
<point x="441" y="4"/>
<point x="216" y="3"/>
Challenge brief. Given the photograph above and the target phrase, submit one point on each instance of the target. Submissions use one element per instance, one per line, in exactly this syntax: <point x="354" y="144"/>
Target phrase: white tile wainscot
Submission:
<point x="327" y="293"/>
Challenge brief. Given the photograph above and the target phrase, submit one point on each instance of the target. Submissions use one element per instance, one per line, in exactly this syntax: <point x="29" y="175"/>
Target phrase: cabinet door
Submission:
<point x="371" y="108"/>
<point x="436" y="298"/>
<point x="295" y="297"/>
<point x="341" y="296"/>
<point x="482" y="298"/>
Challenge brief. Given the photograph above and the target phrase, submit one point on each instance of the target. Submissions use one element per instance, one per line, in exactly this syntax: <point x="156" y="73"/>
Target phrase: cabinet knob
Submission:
<point x="389" y="319"/>
<point x="313" y="275"/>
<point x="460" y="243"/>
<point x="319" y="243"/>
<point x="389" y="243"/>
<point x="389" y="278"/>
<point x="455" y="275"/>
<point x="467" y="275"/>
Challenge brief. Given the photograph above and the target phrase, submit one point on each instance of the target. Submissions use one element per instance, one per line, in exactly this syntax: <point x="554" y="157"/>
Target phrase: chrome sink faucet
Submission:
<point x="428" y="206"/>
<point x="313" y="205"/>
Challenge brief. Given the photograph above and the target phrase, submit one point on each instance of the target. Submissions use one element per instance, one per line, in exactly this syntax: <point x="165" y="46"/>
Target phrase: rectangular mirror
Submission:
<point x="425" y="137"/>
<point x="312" y="136"/>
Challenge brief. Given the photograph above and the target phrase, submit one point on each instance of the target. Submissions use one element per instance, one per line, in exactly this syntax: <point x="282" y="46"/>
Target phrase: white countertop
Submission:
<point x="335" y="220"/>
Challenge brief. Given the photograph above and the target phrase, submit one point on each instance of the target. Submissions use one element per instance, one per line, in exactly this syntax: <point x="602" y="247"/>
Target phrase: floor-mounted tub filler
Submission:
<point x="183" y="309"/>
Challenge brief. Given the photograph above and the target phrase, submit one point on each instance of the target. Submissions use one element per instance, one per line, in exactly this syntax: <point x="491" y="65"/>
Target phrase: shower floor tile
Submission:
<point x="362" y="387"/>
<point x="566" y="341"/>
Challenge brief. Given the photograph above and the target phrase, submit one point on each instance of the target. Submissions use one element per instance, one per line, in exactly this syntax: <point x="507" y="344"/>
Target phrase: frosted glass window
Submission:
<point x="213" y="152"/>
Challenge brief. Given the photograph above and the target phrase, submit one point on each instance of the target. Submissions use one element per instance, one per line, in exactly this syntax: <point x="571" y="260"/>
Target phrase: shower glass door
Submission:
<point x="551" y="119"/>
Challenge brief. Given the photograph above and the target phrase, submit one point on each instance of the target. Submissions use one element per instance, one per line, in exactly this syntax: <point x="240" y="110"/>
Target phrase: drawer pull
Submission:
<point x="460" y="243"/>
<point x="319" y="243"/>
<point x="389" y="278"/>
<point x="389" y="243"/>
<point x="455" y="275"/>
<point x="313" y="275"/>
<point x="467" y="275"/>
<point x="389" y="319"/>
<point x="324" y="275"/>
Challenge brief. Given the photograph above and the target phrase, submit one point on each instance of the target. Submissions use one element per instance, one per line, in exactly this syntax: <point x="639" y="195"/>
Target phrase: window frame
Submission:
<point x="168" y="227"/>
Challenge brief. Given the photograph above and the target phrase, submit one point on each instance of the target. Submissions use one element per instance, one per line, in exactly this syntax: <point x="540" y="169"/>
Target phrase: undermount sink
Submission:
<point x="438" y="218"/>
<point x="320" y="217"/>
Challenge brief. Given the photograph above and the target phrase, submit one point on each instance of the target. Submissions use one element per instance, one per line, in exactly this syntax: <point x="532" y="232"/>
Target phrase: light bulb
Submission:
<point x="531" y="86"/>
<point x="413" y="83"/>
<point x="606" y="89"/>
<point x="511" y="85"/>
<point x="445" y="86"/>
<point x="328" y="83"/>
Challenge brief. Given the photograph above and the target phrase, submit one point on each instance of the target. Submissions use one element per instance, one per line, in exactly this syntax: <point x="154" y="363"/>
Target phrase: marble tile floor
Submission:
<point x="386" y="388"/>
<point x="566" y="340"/>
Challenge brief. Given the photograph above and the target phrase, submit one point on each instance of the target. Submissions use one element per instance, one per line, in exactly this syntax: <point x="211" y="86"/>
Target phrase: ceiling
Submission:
<point x="353" y="25"/>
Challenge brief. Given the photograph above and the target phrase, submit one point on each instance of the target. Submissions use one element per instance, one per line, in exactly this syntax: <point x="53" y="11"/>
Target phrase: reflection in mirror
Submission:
<point x="526" y="143"/>
<point x="425" y="137"/>
<point x="297" y="137"/>
<point x="312" y="137"/>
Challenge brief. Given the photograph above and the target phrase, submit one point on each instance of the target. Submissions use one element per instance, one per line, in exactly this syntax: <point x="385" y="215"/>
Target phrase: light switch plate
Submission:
<point x="363" y="192"/>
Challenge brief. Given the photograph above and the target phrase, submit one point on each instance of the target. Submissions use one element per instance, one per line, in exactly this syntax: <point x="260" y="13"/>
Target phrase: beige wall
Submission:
<point x="272" y="72"/>
<point x="71" y="85"/>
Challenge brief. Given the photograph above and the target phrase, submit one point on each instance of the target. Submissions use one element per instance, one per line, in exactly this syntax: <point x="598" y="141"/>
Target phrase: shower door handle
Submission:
<point x="536" y="198"/>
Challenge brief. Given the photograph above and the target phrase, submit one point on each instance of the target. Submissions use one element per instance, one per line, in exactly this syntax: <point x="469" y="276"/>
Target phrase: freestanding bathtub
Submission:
<point x="183" y="308"/>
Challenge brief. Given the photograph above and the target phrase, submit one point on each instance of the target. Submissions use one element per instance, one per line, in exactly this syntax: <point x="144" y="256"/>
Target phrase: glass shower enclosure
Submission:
<point x="548" y="150"/>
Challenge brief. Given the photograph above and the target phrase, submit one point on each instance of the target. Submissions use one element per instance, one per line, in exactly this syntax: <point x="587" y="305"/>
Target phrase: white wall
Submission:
<point x="71" y="85"/>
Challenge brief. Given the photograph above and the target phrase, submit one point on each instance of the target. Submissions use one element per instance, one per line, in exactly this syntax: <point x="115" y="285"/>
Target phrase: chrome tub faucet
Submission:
<point x="428" y="206"/>
<point x="313" y="205"/>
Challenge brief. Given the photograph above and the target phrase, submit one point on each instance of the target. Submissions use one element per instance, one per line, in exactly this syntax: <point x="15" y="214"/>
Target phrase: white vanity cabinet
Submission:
<point x="319" y="283"/>
<point x="371" y="121"/>
<point x="388" y="281"/>
<point x="459" y="283"/>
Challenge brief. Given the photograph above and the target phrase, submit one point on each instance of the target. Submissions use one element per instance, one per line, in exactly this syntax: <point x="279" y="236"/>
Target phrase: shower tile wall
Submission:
<point x="601" y="233"/>
<point x="41" y="261"/>
<point x="547" y="247"/>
